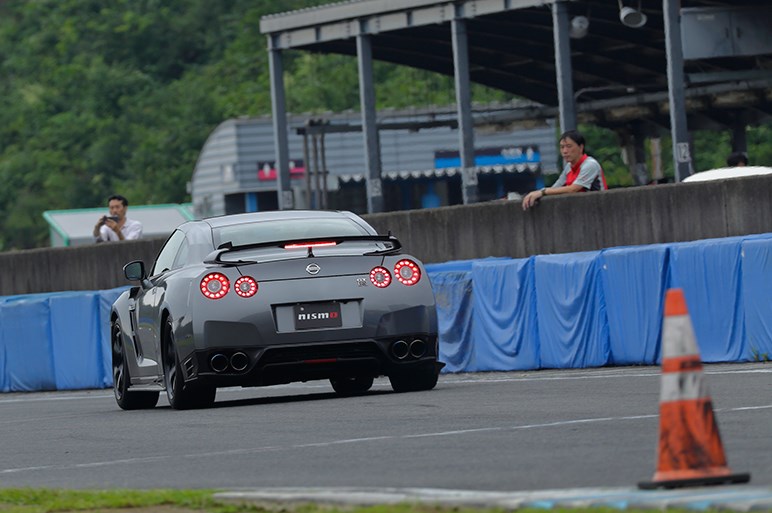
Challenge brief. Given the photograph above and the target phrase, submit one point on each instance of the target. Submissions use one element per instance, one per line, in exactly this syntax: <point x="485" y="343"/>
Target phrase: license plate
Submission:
<point x="317" y="315"/>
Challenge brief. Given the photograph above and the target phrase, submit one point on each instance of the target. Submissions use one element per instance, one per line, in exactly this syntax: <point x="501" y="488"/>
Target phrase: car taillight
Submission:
<point x="215" y="285"/>
<point x="380" y="277"/>
<point x="246" y="286"/>
<point x="300" y="245"/>
<point x="407" y="272"/>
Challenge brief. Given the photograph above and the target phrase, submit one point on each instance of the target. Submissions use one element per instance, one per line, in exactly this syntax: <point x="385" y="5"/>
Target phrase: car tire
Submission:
<point x="126" y="399"/>
<point x="354" y="385"/>
<point x="415" y="380"/>
<point x="181" y="395"/>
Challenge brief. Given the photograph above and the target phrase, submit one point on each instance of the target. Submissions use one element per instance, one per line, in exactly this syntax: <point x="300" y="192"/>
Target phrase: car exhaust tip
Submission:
<point x="417" y="348"/>
<point x="239" y="361"/>
<point x="400" y="349"/>
<point x="219" y="362"/>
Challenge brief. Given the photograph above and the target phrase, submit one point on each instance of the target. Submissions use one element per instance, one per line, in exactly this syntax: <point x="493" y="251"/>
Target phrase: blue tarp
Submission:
<point x="553" y="311"/>
<point x="505" y="330"/>
<point x="709" y="272"/>
<point x="453" y="295"/>
<point x="56" y="341"/>
<point x="460" y="265"/>
<point x="25" y="332"/>
<point x="606" y="307"/>
<point x="573" y="329"/>
<point x="634" y="281"/>
<point x="757" y="297"/>
<point x="75" y="342"/>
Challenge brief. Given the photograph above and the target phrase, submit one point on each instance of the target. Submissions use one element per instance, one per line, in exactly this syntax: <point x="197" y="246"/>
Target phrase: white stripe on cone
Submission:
<point x="678" y="337"/>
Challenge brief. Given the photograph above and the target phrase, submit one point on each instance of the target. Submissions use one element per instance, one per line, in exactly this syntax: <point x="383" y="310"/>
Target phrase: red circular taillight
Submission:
<point x="246" y="286"/>
<point x="215" y="285"/>
<point x="407" y="272"/>
<point x="380" y="277"/>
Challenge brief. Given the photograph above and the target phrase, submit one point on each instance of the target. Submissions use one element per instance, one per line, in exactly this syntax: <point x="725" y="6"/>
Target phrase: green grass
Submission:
<point x="35" y="500"/>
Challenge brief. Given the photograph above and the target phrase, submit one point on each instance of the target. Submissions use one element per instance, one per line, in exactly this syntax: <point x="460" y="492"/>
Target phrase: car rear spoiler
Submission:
<point x="228" y="247"/>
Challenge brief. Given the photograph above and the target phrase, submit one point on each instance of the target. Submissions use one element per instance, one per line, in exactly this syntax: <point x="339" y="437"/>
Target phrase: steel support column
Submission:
<point x="739" y="134"/>
<point x="369" y="122"/>
<point x="682" y="158"/>
<point x="279" y="111"/>
<point x="563" y="71"/>
<point x="464" y="108"/>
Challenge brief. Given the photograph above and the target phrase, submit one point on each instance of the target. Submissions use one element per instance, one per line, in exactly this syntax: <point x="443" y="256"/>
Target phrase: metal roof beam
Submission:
<point x="342" y="21"/>
<point x="420" y="12"/>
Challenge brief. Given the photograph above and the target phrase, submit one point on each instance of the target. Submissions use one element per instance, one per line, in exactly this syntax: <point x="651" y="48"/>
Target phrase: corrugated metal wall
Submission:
<point x="229" y="159"/>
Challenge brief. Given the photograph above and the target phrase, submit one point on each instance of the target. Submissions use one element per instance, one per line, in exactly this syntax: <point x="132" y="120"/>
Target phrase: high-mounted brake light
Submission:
<point x="407" y="272"/>
<point x="380" y="277"/>
<point x="303" y="245"/>
<point x="215" y="285"/>
<point x="246" y="286"/>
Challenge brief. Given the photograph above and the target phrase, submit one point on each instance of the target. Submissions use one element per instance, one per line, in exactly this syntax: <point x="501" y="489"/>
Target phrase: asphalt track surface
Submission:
<point x="515" y="432"/>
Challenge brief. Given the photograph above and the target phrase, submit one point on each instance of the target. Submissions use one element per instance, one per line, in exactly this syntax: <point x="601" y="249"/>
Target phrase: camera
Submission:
<point x="111" y="218"/>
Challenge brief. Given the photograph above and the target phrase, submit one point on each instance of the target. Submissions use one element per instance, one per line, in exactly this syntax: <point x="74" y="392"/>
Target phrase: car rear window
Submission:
<point x="286" y="229"/>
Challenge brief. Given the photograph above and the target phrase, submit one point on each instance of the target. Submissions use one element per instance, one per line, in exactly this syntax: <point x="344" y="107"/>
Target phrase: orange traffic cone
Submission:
<point x="690" y="449"/>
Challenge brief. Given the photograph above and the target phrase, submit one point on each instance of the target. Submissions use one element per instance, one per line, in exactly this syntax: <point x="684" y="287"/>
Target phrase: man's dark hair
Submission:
<point x="736" y="158"/>
<point x="574" y="135"/>
<point x="119" y="198"/>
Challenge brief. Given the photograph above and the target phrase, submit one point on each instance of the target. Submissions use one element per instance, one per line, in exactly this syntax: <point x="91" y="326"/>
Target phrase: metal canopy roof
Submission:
<point x="619" y="73"/>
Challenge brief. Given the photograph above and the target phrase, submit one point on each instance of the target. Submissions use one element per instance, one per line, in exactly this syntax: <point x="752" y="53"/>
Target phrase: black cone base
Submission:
<point x="697" y="481"/>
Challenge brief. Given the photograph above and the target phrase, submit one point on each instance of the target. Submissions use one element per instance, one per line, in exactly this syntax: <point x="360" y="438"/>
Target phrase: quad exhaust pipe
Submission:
<point x="415" y="349"/>
<point x="219" y="362"/>
<point x="400" y="349"/>
<point x="237" y="362"/>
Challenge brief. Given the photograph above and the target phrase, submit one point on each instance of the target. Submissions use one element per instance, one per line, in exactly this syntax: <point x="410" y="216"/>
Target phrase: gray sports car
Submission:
<point x="268" y="298"/>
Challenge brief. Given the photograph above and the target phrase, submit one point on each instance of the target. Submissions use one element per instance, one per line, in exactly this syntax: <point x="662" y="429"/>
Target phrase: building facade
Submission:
<point x="419" y="154"/>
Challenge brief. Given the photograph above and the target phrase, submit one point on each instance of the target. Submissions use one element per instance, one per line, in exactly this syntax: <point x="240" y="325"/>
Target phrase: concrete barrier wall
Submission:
<point x="585" y="222"/>
<point x="97" y="267"/>
<point x="579" y="222"/>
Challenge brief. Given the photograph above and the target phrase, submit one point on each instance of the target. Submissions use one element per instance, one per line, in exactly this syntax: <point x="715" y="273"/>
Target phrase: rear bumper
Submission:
<point x="274" y="365"/>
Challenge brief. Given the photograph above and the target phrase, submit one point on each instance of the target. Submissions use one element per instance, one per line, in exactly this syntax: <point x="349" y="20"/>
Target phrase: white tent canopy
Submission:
<point x="728" y="172"/>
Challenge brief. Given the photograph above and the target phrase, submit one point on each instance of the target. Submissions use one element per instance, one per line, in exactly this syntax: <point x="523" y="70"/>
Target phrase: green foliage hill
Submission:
<point x="101" y="96"/>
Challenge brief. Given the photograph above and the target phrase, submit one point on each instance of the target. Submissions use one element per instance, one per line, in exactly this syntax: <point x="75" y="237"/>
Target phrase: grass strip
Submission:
<point x="43" y="500"/>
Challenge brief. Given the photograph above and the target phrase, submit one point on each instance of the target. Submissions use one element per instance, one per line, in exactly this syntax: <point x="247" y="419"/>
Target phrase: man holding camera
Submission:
<point x="116" y="226"/>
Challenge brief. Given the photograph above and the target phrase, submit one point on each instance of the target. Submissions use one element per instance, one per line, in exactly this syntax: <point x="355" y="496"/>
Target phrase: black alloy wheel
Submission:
<point x="126" y="399"/>
<point x="181" y="395"/>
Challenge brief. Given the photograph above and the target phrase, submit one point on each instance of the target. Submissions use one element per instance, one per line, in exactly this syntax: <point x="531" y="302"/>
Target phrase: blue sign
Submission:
<point x="504" y="156"/>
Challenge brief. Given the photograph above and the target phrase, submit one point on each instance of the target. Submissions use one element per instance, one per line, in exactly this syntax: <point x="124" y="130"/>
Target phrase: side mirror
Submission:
<point x="135" y="271"/>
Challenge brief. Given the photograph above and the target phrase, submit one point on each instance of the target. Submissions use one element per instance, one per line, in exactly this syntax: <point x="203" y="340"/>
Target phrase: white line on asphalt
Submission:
<point x="56" y="397"/>
<point x="330" y="443"/>
<point x="543" y="375"/>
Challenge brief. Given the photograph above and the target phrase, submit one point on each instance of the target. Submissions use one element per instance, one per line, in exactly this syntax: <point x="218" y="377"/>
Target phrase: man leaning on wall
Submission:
<point x="581" y="172"/>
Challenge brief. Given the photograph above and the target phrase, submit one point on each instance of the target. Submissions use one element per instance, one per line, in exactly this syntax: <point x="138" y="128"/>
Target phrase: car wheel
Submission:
<point x="352" y="385"/>
<point x="181" y="395"/>
<point x="415" y="380"/>
<point x="126" y="399"/>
